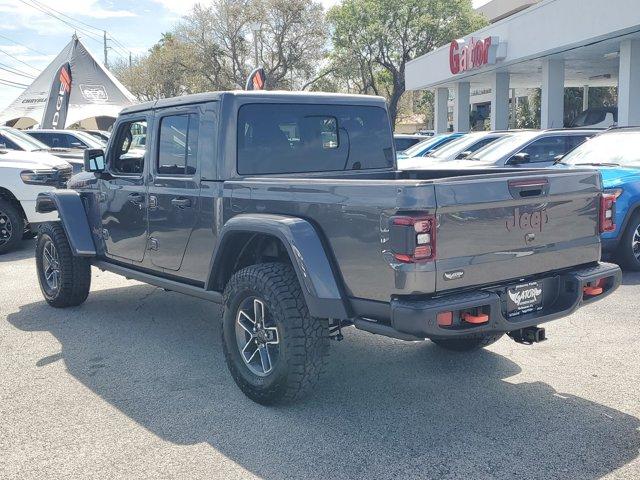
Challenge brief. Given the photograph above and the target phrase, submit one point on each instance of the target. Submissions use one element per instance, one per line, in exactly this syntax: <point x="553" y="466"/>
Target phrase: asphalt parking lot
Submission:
<point x="133" y="385"/>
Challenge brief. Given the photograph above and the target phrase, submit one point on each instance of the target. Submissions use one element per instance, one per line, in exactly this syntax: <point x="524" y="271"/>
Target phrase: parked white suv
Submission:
<point x="22" y="176"/>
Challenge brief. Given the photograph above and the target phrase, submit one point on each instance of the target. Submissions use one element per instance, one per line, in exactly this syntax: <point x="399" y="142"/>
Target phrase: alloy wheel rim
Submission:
<point x="51" y="266"/>
<point x="635" y="243"/>
<point x="257" y="337"/>
<point x="6" y="228"/>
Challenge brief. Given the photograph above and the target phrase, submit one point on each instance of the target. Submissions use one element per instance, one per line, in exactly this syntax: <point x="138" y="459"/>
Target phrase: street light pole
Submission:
<point x="255" y="28"/>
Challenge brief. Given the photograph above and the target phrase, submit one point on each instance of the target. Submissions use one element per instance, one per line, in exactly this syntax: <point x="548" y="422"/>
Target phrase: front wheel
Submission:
<point x="629" y="246"/>
<point x="64" y="279"/>
<point x="274" y="349"/>
<point x="467" y="344"/>
<point x="11" y="226"/>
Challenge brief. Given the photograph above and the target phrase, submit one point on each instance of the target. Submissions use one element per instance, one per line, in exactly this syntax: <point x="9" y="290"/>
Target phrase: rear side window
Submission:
<point x="178" y="144"/>
<point x="404" y="143"/>
<point x="574" y="141"/>
<point x="286" y="138"/>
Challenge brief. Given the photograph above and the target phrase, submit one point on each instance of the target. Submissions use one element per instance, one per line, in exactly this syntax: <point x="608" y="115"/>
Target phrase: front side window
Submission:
<point x="130" y="148"/>
<point x="178" y="145"/>
<point x="284" y="138"/>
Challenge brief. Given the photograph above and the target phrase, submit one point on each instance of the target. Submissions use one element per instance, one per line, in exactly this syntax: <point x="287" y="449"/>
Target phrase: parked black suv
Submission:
<point x="287" y="208"/>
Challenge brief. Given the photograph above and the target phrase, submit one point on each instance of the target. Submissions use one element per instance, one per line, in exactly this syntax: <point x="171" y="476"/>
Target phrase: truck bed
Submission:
<point x="493" y="225"/>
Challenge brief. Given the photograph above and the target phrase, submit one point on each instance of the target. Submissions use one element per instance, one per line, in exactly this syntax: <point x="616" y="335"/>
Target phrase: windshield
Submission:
<point x="459" y="145"/>
<point x="23" y="141"/>
<point x="419" y="147"/>
<point x="502" y="147"/>
<point x="619" y="148"/>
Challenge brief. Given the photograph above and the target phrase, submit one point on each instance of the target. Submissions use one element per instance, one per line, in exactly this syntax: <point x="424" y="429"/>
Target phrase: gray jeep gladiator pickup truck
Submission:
<point x="287" y="209"/>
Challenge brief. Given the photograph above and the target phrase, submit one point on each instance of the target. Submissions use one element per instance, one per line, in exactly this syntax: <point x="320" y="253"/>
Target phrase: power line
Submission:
<point x="72" y="22"/>
<point x="46" y="11"/>
<point x="18" y="60"/>
<point x="9" y="83"/>
<point x="99" y="30"/>
<point x="15" y="71"/>
<point x="22" y="45"/>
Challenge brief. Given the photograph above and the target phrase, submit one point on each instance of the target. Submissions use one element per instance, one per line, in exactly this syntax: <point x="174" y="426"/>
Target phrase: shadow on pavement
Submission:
<point x="26" y="249"/>
<point x="631" y="278"/>
<point x="385" y="409"/>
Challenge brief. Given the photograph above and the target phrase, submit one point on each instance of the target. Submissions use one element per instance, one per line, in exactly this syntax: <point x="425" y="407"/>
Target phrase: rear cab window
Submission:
<point x="293" y="138"/>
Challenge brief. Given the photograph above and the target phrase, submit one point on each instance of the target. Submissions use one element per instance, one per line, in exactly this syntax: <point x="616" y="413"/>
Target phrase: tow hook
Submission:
<point x="528" y="335"/>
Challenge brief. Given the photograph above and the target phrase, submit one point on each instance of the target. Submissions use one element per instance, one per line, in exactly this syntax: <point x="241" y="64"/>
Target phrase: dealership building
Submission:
<point x="548" y="44"/>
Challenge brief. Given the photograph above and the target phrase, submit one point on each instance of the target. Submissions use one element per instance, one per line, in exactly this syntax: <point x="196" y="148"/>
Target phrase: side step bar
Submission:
<point x="172" y="285"/>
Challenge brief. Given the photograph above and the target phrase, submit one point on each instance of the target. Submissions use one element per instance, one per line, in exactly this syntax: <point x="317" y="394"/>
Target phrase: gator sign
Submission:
<point x="465" y="56"/>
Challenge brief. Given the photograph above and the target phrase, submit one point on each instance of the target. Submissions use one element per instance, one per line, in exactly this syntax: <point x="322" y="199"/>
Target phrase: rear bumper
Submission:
<point x="563" y="294"/>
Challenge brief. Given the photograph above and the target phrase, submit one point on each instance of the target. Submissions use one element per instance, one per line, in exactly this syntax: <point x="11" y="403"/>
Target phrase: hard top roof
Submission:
<point x="284" y="96"/>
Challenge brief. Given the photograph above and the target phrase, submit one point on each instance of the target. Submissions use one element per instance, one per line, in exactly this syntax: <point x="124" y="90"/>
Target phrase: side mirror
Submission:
<point x="94" y="160"/>
<point x="557" y="159"/>
<point x="78" y="145"/>
<point x="465" y="154"/>
<point x="519" y="159"/>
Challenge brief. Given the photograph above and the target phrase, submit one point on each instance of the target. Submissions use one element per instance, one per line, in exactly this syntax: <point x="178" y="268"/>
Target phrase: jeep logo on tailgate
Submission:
<point x="527" y="221"/>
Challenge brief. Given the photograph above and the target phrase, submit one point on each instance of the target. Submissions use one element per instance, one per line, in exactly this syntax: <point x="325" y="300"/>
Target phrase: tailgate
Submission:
<point x="492" y="229"/>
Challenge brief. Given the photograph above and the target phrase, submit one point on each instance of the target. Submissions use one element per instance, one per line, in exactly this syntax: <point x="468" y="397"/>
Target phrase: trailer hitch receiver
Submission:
<point x="528" y="335"/>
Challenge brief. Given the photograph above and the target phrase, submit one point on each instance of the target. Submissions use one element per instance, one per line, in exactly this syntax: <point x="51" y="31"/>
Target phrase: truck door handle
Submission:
<point x="181" y="202"/>
<point x="136" y="198"/>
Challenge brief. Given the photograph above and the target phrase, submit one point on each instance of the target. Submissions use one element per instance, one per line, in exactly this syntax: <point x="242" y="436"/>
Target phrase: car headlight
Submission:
<point x="39" y="177"/>
<point x="614" y="191"/>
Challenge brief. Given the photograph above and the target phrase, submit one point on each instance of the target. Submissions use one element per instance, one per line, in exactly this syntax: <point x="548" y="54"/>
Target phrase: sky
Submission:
<point x="30" y="38"/>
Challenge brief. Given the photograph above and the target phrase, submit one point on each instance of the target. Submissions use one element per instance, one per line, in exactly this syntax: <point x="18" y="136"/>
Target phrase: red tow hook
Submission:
<point x="594" y="290"/>
<point x="475" y="319"/>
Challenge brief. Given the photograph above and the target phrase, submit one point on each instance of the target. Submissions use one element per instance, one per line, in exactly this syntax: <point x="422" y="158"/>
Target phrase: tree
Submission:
<point x="163" y="72"/>
<point x="374" y="39"/>
<point x="212" y="48"/>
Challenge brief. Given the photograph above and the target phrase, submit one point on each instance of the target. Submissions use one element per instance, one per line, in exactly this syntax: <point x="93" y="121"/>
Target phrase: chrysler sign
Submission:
<point x="465" y="56"/>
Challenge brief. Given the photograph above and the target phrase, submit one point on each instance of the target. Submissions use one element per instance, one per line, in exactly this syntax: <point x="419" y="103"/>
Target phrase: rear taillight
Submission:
<point x="608" y="212"/>
<point x="413" y="238"/>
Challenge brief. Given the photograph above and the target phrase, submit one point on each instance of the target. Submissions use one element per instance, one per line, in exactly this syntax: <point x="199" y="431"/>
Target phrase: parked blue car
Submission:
<point x="426" y="146"/>
<point x="616" y="154"/>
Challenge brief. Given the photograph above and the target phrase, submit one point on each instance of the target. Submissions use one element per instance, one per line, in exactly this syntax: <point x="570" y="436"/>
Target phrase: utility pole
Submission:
<point x="106" y="60"/>
<point x="129" y="59"/>
<point x="255" y="27"/>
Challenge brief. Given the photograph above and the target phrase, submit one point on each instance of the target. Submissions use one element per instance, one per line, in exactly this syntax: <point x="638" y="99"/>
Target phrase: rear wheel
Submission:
<point x="274" y="349"/>
<point x="64" y="279"/>
<point x="629" y="246"/>
<point x="11" y="226"/>
<point x="466" y="344"/>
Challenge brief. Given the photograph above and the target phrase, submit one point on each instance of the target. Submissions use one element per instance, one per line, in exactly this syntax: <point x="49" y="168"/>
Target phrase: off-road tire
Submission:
<point x="303" y="340"/>
<point x="625" y="254"/>
<point x="17" y="226"/>
<point x="74" y="272"/>
<point x="467" y="344"/>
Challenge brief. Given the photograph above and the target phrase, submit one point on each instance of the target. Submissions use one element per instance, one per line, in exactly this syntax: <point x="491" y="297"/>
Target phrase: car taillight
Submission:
<point x="413" y="238"/>
<point x="607" y="212"/>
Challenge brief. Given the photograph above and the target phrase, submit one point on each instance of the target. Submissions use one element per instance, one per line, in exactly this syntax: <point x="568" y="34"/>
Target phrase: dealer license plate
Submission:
<point x="524" y="298"/>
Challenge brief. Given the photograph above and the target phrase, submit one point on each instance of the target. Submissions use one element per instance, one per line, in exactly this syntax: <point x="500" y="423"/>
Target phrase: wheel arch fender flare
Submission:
<point x="73" y="218"/>
<point x="632" y="209"/>
<point x="312" y="264"/>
